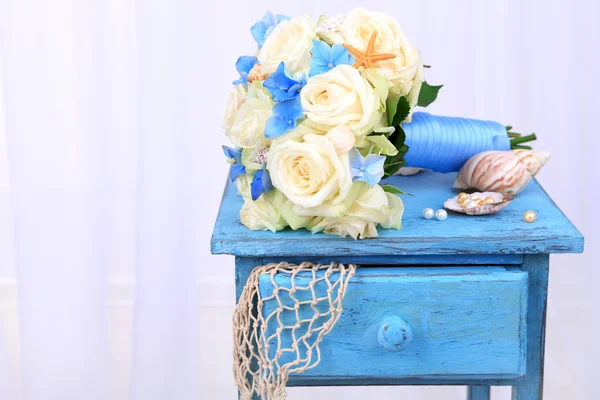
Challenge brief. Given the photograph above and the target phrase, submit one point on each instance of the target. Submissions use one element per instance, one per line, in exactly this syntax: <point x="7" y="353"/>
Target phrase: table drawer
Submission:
<point x="417" y="322"/>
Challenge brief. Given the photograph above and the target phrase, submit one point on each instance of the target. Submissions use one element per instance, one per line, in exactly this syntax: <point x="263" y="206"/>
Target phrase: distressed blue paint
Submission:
<point x="482" y="328"/>
<point x="478" y="393"/>
<point x="531" y="388"/>
<point x="466" y="322"/>
<point x="394" y="334"/>
<point x="459" y="259"/>
<point x="501" y="233"/>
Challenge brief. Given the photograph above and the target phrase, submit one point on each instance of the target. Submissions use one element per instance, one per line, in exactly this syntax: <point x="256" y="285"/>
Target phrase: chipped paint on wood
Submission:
<point x="465" y="322"/>
<point x="501" y="233"/>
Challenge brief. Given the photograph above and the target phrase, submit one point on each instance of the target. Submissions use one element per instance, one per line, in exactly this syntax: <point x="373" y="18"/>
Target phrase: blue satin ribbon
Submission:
<point x="444" y="144"/>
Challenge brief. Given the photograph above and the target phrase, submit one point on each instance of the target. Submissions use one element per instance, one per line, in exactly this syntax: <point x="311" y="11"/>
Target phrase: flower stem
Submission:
<point x="524" y="139"/>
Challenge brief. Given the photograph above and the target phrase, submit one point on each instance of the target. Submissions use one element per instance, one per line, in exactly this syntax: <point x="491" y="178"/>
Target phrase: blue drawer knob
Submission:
<point x="394" y="334"/>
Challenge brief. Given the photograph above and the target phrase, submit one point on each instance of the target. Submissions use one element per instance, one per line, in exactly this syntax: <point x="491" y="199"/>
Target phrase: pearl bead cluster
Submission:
<point x="468" y="201"/>
<point x="440" y="214"/>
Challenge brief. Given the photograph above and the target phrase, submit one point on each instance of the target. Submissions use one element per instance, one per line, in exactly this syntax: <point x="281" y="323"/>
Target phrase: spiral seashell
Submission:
<point x="533" y="160"/>
<point x="328" y="29"/>
<point x="256" y="74"/>
<point x="506" y="172"/>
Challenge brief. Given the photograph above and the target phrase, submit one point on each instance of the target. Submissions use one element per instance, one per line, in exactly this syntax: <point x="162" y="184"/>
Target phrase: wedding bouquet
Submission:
<point x="323" y="112"/>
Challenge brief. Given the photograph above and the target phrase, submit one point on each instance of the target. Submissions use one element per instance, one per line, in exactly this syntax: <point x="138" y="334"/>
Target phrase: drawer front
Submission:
<point x="416" y="322"/>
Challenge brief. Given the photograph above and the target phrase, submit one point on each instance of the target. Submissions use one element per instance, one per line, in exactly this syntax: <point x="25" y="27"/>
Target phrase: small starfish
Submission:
<point x="368" y="57"/>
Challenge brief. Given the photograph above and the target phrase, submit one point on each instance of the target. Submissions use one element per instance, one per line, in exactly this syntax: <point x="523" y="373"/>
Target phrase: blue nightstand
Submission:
<point x="471" y="289"/>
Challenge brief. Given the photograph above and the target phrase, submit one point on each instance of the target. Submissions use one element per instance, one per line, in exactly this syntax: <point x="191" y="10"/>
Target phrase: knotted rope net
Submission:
<point x="282" y="316"/>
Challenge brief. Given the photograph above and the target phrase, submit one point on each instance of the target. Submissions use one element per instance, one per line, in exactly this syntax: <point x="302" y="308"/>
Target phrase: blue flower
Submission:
<point x="235" y="157"/>
<point x="243" y="65"/>
<point x="282" y="86"/>
<point x="367" y="169"/>
<point x="261" y="183"/>
<point x="285" y="115"/>
<point x="263" y="28"/>
<point x="325" y="58"/>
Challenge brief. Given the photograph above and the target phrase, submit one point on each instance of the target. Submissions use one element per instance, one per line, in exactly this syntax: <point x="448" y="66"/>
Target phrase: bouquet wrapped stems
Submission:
<point x="444" y="144"/>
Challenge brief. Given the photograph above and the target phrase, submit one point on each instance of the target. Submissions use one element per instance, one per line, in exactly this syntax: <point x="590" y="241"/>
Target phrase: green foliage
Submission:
<point x="392" y="189"/>
<point x="398" y="109"/>
<point x="394" y="163"/>
<point x="428" y="94"/>
<point x="382" y="145"/>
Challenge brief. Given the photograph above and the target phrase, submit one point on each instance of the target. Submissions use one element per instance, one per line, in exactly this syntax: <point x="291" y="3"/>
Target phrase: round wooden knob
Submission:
<point x="394" y="334"/>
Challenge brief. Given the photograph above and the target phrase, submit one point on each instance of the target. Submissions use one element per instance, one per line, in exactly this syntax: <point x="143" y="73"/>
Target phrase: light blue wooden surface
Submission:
<point x="504" y="233"/>
<point x="537" y="266"/>
<point x="466" y="322"/>
<point x="508" y="262"/>
<point x="478" y="393"/>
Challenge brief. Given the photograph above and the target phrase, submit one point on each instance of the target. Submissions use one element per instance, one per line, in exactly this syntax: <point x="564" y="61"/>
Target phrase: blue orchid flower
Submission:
<point x="325" y="58"/>
<point x="261" y="183"/>
<point x="282" y="85"/>
<point x="367" y="169"/>
<point x="285" y="116"/>
<point x="235" y="157"/>
<point x="263" y="28"/>
<point x="243" y="65"/>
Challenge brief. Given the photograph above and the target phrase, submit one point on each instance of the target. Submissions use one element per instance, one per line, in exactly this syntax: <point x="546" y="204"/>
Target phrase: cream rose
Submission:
<point x="405" y="71"/>
<point x="291" y="42"/>
<point x="247" y="124"/>
<point x="371" y="207"/>
<point x="234" y="101"/>
<point x="342" y="96"/>
<point x="310" y="173"/>
<point x="263" y="213"/>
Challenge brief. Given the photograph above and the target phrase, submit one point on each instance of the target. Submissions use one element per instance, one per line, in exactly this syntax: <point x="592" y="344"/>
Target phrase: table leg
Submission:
<point x="531" y="388"/>
<point x="478" y="393"/>
<point x="243" y="269"/>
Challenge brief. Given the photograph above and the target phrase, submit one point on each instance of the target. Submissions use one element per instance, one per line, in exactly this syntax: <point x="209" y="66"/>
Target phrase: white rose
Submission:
<point x="248" y="123"/>
<point x="234" y="101"/>
<point x="356" y="227"/>
<point x="405" y="71"/>
<point x="309" y="173"/>
<point x="342" y="96"/>
<point x="372" y="206"/>
<point x="263" y="213"/>
<point x="291" y="42"/>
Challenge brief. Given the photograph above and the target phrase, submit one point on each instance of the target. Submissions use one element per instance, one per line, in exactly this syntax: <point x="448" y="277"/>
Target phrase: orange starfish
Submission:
<point x="368" y="57"/>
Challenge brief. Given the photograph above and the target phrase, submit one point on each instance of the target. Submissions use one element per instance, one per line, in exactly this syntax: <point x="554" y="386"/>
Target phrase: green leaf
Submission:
<point x="428" y="94"/>
<point x="394" y="190"/>
<point x="392" y="106"/>
<point x="381" y="145"/>
<point x="398" y="109"/>
<point x="402" y="111"/>
<point x="394" y="163"/>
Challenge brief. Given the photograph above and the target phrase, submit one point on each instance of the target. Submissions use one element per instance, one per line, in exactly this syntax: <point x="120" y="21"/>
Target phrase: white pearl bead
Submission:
<point x="428" y="213"/>
<point x="441" y="215"/>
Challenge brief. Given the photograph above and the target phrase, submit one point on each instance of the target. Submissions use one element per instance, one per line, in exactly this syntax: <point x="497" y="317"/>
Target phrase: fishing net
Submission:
<point x="282" y="316"/>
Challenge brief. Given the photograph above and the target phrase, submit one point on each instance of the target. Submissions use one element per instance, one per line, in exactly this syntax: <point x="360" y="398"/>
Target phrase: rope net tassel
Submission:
<point x="282" y="316"/>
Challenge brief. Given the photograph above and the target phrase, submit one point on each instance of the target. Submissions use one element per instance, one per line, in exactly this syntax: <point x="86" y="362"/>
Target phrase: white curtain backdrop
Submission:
<point x="111" y="174"/>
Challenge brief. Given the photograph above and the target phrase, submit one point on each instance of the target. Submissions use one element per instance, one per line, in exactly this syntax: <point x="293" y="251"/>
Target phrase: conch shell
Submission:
<point x="506" y="172"/>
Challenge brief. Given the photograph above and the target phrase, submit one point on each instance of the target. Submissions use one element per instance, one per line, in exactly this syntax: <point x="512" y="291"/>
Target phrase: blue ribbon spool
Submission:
<point x="444" y="144"/>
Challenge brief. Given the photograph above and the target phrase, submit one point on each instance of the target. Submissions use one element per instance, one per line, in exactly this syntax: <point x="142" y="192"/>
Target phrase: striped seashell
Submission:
<point x="256" y="74"/>
<point x="506" y="172"/>
<point x="533" y="160"/>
